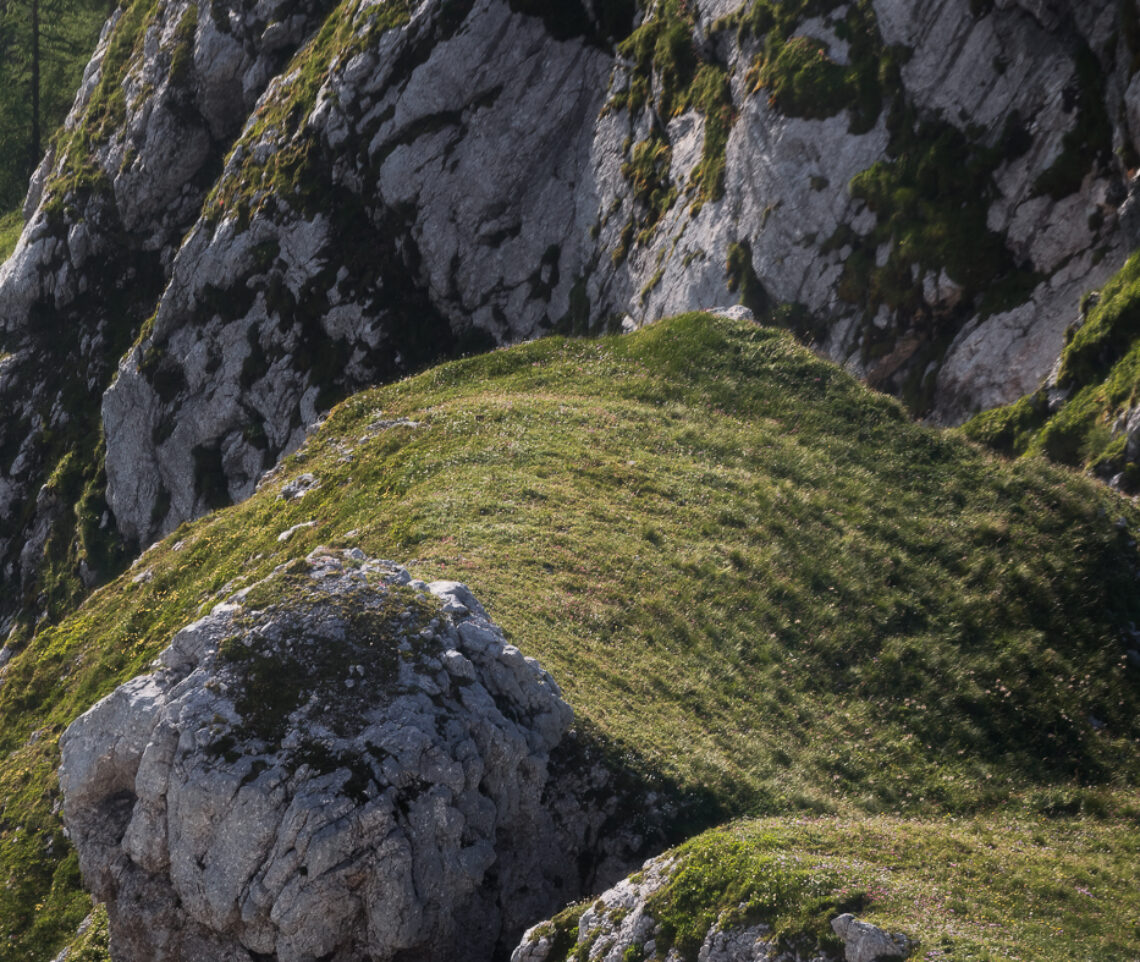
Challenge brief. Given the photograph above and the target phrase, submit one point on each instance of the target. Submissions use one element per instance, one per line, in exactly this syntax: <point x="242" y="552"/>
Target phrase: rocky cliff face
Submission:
<point x="923" y="190"/>
<point x="930" y="210"/>
<point x="168" y="88"/>
<point x="337" y="763"/>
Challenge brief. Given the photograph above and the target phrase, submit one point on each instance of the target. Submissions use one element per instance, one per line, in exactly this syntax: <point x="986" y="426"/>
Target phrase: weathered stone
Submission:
<point x="864" y="942"/>
<point x="618" y="926"/>
<point x="337" y="763"/>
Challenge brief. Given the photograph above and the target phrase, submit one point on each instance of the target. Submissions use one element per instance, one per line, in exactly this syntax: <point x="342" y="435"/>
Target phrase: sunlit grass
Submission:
<point x="967" y="890"/>
<point x="755" y="579"/>
<point x="11" y="226"/>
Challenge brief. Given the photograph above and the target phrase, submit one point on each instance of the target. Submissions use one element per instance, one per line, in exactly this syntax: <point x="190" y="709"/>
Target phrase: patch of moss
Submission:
<point x="182" y="58"/>
<point x="1009" y="429"/>
<point x="930" y="199"/>
<point x="80" y="175"/>
<point x="930" y="202"/>
<point x="562" y="930"/>
<point x="310" y="640"/>
<point x="647" y="171"/>
<point x="93" y="943"/>
<point x="289" y="173"/>
<point x="721" y="878"/>
<point x="11" y="226"/>
<point x="669" y="73"/>
<point x="803" y="81"/>
<point x="1112" y="328"/>
<point x="797" y="71"/>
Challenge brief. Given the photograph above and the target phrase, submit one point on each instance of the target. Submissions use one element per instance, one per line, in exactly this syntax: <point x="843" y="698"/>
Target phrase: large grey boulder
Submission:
<point x="337" y="763"/>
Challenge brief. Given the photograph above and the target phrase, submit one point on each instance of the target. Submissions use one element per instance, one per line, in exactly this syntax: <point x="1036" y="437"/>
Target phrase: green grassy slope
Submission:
<point x="981" y="888"/>
<point x="1100" y="369"/>
<point x="746" y="570"/>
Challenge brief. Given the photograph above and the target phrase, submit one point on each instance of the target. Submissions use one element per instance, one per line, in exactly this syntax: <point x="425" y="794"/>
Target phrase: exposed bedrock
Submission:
<point x="339" y="763"/>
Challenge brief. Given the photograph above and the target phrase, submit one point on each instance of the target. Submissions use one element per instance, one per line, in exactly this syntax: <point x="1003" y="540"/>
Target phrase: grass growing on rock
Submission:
<point x="11" y="226"/>
<point x="104" y="114"/>
<point x="285" y="174"/>
<point x="971" y="889"/>
<point x="1100" y="368"/>
<point x="669" y="75"/>
<point x="738" y="563"/>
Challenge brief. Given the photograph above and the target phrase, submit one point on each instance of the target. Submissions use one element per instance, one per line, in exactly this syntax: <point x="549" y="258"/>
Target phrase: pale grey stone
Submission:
<point x="412" y="813"/>
<point x="619" y="925"/>
<point x="864" y="942"/>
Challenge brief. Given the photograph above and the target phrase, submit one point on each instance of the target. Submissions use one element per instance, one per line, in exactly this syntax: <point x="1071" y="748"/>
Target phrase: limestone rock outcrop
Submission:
<point x="434" y="206"/>
<point x="338" y="763"/>
<point x="864" y="942"/>
<point x="165" y="93"/>
<point x="458" y="174"/>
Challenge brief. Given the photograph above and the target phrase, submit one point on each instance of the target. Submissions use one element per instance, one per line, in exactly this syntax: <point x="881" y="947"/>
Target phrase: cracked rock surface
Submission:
<point x="337" y="763"/>
<point x="619" y="926"/>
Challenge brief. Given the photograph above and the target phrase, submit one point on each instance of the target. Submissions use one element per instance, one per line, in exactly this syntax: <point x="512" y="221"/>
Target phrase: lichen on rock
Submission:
<point x="337" y="762"/>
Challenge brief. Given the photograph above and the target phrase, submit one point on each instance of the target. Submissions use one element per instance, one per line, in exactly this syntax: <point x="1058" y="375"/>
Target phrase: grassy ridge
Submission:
<point x="742" y="567"/>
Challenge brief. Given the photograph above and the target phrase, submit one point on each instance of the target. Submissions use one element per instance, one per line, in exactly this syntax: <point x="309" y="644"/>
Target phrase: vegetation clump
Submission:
<point x="289" y="173"/>
<point x="930" y="199"/>
<point x="669" y="76"/>
<point x="803" y="81"/>
<point x="79" y="174"/>
<point x="798" y="72"/>
<point x="722" y="878"/>
<point x="977" y="888"/>
<point x="1099" y="376"/>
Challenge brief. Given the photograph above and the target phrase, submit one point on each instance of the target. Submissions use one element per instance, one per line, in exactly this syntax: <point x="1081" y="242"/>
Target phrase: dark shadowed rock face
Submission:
<point x="337" y="763"/>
